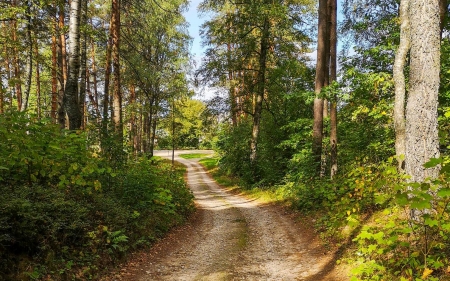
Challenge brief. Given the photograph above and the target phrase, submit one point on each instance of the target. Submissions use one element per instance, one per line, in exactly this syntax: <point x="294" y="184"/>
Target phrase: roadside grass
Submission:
<point x="273" y="194"/>
<point x="193" y="155"/>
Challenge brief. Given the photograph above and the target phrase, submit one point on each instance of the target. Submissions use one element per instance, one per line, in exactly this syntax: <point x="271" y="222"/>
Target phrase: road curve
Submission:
<point x="237" y="239"/>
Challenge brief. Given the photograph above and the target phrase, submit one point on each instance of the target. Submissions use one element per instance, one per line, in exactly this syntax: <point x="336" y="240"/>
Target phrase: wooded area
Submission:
<point x="356" y="133"/>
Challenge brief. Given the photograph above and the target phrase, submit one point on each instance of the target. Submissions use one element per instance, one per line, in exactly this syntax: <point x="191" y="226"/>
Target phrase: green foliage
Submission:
<point x="410" y="241"/>
<point x="67" y="211"/>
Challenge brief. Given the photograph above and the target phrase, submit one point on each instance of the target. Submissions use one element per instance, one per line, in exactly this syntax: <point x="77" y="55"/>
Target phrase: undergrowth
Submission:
<point x="68" y="210"/>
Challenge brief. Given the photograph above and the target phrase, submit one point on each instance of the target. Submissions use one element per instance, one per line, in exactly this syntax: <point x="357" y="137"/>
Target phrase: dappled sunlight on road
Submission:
<point x="239" y="239"/>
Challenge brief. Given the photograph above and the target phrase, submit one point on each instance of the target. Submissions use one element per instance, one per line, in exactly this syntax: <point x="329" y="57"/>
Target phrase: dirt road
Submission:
<point x="233" y="238"/>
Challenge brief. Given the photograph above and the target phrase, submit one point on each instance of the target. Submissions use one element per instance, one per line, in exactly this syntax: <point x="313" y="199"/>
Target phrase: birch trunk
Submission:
<point x="71" y="103"/>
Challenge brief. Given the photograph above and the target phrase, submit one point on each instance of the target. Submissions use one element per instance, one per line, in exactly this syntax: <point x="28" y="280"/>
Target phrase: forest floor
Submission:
<point x="233" y="237"/>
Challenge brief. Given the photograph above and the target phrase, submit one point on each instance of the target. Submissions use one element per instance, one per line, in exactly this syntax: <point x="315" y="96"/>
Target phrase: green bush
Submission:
<point x="68" y="210"/>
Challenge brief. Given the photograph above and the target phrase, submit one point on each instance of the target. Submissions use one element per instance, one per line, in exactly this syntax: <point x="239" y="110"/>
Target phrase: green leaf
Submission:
<point x="444" y="192"/>
<point x="431" y="222"/>
<point x="402" y="199"/>
<point x="433" y="162"/>
<point x="3" y="168"/>
<point x="421" y="204"/>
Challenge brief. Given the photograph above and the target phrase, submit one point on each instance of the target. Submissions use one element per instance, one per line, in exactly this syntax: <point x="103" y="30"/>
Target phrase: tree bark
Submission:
<point x="94" y="98"/>
<point x="443" y="6"/>
<point x="71" y="103"/>
<point x="62" y="59"/>
<point x="264" y="45"/>
<point x="117" y="95"/>
<point x="107" y="80"/>
<point x="29" y="66"/>
<point x="38" y="82"/>
<point x="83" y="59"/>
<point x="54" y="106"/>
<point x="16" y="62"/>
<point x="319" y="83"/>
<point x="422" y="141"/>
<point x="399" y="81"/>
<point x="333" y="76"/>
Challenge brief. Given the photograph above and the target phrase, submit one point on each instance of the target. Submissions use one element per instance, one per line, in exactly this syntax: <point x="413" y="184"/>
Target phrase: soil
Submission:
<point x="232" y="237"/>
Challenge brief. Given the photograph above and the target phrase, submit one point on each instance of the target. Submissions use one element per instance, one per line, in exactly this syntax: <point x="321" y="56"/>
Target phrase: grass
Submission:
<point x="267" y="195"/>
<point x="193" y="155"/>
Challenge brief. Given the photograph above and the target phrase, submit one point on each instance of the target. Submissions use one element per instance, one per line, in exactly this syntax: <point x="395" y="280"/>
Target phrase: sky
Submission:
<point x="195" y="21"/>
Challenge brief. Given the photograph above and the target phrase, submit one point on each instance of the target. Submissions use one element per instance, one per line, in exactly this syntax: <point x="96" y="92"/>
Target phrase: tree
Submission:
<point x="117" y="95"/>
<point x="422" y="142"/>
<point x="399" y="79"/>
<point x="261" y="39"/>
<point x="333" y="105"/>
<point x="71" y="103"/>
<point x="322" y="72"/>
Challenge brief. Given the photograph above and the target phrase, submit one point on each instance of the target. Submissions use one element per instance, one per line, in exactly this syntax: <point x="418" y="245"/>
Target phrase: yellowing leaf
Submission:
<point x="348" y="213"/>
<point x="426" y="272"/>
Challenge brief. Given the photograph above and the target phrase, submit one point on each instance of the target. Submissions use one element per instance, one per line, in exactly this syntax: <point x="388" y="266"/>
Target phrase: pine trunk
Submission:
<point x="333" y="76"/>
<point x="117" y="96"/>
<point x="321" y="69"/>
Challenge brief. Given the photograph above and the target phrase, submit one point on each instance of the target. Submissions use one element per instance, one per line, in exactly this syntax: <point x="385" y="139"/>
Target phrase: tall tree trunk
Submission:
<point x="399" y="80"/>
<point x="16" y="62"/>
<point x="117" y="95"/>
<point x="153" y="125"/>
<point x="422" y="142"/>
<point x="261" y="89"/>
<point x="71" y="103"/>
<point x="94" y="98"/>
<point x="62" y="60"/>
<point x="333" y="104"/>
<point x="54" y="106"/>
<point x="133" y="117"/>
<point x="83" y="59"/>
<point x="443" y="11"/>
<point x="29" y="67"/>
<point x="38" y="81"/>
<point x="107" y="79"/>
<point x="321" y="68"/>
<point x="7" y="65"/>
<point x="1" y="97"/>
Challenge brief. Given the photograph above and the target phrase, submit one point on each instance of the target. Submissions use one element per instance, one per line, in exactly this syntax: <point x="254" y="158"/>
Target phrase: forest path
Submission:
<point x="232" y="237"/>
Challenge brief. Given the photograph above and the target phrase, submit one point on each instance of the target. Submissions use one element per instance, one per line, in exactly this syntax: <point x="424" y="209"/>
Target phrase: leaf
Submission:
<point x="421" y="205"/>
<point x="431" y="222"/>
<point x="426" y="273"/>
<point x="433" y="162"/>
<point x="3" y="168"/>
<point x="402" y="199"/>
<point x="444" y="192"/>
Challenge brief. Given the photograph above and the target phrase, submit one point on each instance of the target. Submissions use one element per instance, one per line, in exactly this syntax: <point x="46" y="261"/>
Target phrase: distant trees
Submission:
<point x="252" y="57"/>
<point x="85" y="62"/>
